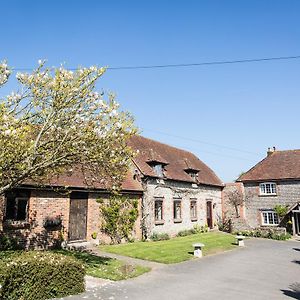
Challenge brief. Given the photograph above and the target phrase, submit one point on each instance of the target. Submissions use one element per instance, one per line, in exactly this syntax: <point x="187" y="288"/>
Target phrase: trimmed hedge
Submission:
<point x="155" y="237"/>
<point x="266" y="233"/>
<point x="38" y="275"/>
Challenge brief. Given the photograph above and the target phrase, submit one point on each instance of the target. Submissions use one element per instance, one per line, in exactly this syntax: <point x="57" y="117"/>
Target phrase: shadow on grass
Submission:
<point x="294" y="291"/>
<point x="86" y="258"/>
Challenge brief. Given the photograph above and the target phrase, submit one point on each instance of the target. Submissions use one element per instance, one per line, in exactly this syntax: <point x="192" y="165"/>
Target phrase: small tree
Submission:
<point x="235" y="198"/>
<point x="281" y="211"/>
<point x="119" y="215"/>
<point x="56" y="122"/>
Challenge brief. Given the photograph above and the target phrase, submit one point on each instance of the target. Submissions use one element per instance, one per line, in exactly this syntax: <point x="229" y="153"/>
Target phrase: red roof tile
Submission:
<point x="279" y="165"/>
<point x="176" y="160"/>
<point x="76" y="179"/>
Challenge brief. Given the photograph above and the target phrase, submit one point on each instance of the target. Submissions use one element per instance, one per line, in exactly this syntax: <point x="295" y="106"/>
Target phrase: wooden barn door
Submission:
<point x="78" y="216"/>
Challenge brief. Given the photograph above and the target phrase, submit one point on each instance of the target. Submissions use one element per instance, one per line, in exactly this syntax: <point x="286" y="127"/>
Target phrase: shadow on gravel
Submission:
<point x="294" y="291"/>
<point x="296" y="249"/>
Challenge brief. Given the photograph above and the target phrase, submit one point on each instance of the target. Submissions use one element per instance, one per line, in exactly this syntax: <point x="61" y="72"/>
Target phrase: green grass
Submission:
<point x="96" y="266"/>
<point x="104" y="267"/>
<point x="174" y="250"/>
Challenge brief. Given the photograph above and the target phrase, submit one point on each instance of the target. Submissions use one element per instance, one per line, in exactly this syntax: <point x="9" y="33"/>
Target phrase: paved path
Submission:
<point x="130" y="260"/>
<point x="264" y="269"/>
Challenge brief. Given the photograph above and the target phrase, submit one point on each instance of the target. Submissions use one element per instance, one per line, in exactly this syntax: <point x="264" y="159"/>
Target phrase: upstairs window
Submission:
<point x="270" y="218"/>
<point x="193" y="173"/>
<point x="17" y="205"/>
<point x="158" y="170"/>
<point x="267" y="188"/>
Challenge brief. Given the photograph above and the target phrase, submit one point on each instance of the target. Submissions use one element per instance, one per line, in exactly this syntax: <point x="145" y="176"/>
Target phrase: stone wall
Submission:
<point x="232" y="220"/>
<point x="170" y="190"/>
<point x="288" y="193"/>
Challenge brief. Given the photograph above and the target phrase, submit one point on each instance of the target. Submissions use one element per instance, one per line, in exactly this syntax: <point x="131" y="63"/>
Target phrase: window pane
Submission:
<point x="276" y="221"/>
<point x="270" y="215"/>
<point x="262" y="189"/>
<point x="193" y="209"/>
<point x="265" y="216"/>
<point x="268" y="188"/>
<point x="158" y="210"/>
<point x="273" y="188"/>
<point x="177" y="210"/>
<point x="21" y="209"/>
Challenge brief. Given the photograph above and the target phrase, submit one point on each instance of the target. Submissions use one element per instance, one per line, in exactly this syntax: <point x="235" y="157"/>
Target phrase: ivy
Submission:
<point x="119" y="214"/>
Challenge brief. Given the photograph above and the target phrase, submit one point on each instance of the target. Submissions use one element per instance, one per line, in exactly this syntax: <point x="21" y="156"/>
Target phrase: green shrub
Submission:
<point x="186" y="232"/>
<point x="159" y="237"/>
<point x="8" y="243"/>
<point x="38" y="275"/>
<point x="265" y="233"/>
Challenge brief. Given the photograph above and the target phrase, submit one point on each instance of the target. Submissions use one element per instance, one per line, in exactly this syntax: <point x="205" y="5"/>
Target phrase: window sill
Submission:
<point x="194" y="219"/>
<point x="160" y="222"/>
<point x="269" y="225"/>
<point x="177" y="220"/>
<point x="267" y="195"/>
<point x="10" y="224"/>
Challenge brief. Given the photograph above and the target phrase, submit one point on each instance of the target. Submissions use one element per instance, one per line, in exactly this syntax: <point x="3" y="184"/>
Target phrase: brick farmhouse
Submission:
<point x="175" y="191"/>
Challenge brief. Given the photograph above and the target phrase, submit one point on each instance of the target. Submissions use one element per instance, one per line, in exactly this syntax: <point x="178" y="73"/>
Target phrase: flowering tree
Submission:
<point x="58" y="121"/>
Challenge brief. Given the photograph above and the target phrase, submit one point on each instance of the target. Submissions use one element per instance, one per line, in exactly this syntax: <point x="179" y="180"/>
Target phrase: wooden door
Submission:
<point x="209" y="214"/>
<point x="78" y="216"/>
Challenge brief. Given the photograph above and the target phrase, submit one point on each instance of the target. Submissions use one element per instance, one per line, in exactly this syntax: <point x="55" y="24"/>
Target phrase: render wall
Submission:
<point x="171" y="190"/>
<point x="288" y="193"/>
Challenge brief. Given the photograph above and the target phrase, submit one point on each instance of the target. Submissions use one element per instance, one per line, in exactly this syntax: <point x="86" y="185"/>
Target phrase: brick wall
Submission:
<point x="42" y="204"/>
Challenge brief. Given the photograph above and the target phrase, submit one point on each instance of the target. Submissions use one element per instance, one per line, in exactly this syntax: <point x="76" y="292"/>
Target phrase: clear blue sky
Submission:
<point x="244" y="106"/>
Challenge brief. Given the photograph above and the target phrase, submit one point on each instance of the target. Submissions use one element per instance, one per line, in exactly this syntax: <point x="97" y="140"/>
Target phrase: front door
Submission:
<point x="78" y="216"/>
<point x="209" y="214"/>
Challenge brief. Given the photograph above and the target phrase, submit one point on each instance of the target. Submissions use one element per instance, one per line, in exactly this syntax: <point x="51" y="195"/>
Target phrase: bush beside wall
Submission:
<point x="38" y="275"/>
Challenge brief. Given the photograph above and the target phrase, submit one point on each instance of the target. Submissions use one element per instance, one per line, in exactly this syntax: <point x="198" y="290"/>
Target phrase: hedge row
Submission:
<point x="38" y="275"/>
<point x="265" y="233"/>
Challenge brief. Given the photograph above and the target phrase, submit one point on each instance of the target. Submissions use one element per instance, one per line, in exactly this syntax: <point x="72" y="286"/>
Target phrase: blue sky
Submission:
<point x="226" y="114"/>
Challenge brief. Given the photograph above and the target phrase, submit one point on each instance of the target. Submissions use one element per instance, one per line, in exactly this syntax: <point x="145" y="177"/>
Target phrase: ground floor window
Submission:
<point x="270" y="218"/>
<point x="193" y="209"/>
<point x="158" y="210"/>
<point x="177" y="209"/>
<point x="17" y="205"/>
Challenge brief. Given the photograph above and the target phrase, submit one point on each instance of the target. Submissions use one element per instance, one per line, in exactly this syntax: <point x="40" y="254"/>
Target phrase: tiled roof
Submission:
<point x="176" y="161"/>
<point x="76" y="179"/>
<point x="279" y="165"/>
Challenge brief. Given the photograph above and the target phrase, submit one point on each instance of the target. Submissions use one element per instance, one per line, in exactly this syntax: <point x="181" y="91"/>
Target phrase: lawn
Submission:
<point x="174" y="250"/>
<point x="96" y="266"/>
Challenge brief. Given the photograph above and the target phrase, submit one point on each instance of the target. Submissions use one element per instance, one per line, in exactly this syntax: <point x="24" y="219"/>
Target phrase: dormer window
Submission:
<point x="158" y="169"/>
<point x="192" y="173"/>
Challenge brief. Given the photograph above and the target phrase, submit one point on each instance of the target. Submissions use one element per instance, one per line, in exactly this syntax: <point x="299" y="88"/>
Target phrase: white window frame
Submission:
<point x="268" y="188"/>
<point x="268" y="218"/>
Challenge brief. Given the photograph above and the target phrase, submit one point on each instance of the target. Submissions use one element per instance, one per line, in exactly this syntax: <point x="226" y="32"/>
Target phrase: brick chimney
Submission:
<point x="271" y="150"/>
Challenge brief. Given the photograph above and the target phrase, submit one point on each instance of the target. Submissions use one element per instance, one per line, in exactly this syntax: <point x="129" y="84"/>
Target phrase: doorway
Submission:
<point x="78" y="216"/>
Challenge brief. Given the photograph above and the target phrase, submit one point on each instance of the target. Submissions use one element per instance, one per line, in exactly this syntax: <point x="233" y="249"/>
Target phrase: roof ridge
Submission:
<point x="170" y="146"/>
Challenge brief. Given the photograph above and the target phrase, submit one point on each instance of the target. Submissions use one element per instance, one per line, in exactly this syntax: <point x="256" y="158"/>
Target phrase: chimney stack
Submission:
<point x="271" y="150"/>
